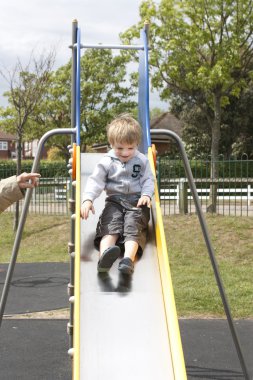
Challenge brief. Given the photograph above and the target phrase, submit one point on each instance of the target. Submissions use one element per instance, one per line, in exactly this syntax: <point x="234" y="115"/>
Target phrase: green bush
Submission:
<point x="169" y="168"/>
<point x="47" y="169"/>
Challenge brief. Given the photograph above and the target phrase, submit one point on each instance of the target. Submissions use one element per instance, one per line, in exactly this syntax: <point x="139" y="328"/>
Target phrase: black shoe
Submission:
<point x="126" y="266"/>
<point x="107" y="259"/>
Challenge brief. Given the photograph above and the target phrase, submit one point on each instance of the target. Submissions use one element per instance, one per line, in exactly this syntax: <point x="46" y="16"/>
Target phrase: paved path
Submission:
<point x="36" y="287"/>
<point x="209" y="350"/>
<point x="37" y="349"/>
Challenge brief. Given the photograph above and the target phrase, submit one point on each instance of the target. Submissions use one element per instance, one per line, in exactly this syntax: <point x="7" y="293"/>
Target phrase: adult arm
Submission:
<point x="10" y="192"/>
<point x="12" y="188"/>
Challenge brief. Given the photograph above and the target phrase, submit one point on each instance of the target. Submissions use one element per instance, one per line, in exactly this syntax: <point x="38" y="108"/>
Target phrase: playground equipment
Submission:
<point x="118" y="327"/>
<point x="113" y="326"/>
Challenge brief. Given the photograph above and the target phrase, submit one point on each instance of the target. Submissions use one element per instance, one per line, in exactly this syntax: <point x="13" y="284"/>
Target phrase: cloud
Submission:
<point x="46" y="24"/>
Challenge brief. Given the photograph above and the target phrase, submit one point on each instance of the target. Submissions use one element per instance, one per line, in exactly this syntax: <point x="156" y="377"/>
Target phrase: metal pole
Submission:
<point x="73" y="78"/>
<point x="143" y="92"/>
<point x="120" y="47"/>
<point x="71" y="244"/>
<point x="63" y="131"/>
<point x="175" y="137"/>
<point x="146" y="68"/>
<point x="78" y="86"/>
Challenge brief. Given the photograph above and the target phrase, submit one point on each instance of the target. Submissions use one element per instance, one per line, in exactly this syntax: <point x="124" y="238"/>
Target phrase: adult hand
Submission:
<point x="28" y="180"/>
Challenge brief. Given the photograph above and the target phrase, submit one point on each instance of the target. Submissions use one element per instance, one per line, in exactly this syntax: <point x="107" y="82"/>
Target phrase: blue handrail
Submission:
<point x="143" y="97"/>
<point x="146" y="71"/>
<point x="78" y="96"/>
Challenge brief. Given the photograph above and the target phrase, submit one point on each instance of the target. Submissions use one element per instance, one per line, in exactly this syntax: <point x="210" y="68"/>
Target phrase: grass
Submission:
<point x="46" y="237"/>
<point x="194" y="283"/>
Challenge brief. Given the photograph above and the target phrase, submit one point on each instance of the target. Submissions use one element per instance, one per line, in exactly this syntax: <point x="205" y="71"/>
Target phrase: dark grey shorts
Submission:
<point x="121" y="216"/>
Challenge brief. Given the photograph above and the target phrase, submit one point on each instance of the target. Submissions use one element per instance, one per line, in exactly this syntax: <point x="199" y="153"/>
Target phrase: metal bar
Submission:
<point x="76" y="306"/>
<point x="73" y="79"/>
<point x="146" y="66"/>
<point x="205" y="232"/>
<point x="143" y="93"/>
<point x="45" y="137"/>
<point x="72" y="191"/>
<point x="106" y="46"/>
<point x="77" y="289"/>
<point x="78" y="85"/>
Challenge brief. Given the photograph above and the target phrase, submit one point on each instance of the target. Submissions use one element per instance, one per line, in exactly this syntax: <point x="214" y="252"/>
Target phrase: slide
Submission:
<point x="128" y="326"/>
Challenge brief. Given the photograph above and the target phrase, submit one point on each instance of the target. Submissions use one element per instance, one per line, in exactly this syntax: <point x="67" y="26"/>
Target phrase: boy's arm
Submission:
<point x="144" y="201"/>
<point x="86" y="207"/>
<point x="94" y="187"/>
<point x="96" y="182"/>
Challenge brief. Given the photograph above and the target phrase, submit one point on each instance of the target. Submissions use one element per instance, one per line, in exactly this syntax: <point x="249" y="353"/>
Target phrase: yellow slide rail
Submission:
<point x="76" y="337"/>
<point x="167" y="288"/>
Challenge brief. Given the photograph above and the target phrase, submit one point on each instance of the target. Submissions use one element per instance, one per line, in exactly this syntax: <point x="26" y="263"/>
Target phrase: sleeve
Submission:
<point x="9" y="192"/>
<point x="96" y="182"/>
<point x="147" y="181"/>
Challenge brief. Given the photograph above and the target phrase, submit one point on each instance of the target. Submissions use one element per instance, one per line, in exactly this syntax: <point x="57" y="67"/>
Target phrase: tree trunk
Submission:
<point x="19" y="158"/>
<point x="214" y="174"/>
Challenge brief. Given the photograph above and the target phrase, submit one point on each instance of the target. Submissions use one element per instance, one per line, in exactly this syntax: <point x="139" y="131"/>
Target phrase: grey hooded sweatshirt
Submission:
<point x="116" y="177"/>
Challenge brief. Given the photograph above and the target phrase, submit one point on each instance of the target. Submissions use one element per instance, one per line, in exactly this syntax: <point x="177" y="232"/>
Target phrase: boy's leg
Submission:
<point x="135" y="231"/>
<point x="131" y="248"/>
<point x="126" y="265"/>
<point x="106" y="242"/>
<point x="109" y="252"/>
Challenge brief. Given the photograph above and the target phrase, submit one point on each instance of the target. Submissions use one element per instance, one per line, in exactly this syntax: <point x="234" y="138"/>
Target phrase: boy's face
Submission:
<point x="124" y="151"/>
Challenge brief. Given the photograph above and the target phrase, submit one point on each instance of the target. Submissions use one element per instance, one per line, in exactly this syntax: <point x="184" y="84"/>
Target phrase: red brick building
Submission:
<point x="7" y="146"/>
<point x="165" y="121"/>
<point x="163" y="145"/>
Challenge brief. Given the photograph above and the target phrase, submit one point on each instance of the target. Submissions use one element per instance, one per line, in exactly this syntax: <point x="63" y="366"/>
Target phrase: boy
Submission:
<point x="125" y="175"/>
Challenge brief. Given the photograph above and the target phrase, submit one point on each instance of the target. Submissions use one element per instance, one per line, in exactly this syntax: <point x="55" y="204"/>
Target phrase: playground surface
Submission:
<point x="37" y="348"/>
<point x="36" y="287"/>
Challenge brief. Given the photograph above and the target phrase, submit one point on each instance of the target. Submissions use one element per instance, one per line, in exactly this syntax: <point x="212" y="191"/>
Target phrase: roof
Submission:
<point x="167" y="121"/>
<point x="7" y="136"/>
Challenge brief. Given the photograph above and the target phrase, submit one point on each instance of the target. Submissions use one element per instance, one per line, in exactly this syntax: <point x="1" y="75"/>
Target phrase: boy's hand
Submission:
<point x="87" y="206"/>
<point x="144" y="201"/>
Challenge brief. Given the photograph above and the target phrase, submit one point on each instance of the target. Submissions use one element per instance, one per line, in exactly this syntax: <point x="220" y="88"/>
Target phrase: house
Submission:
<point x="7" y="146"/>
<point x="100" y="148"/>
<point x="165" y="121"/>
<point x="163" y="145"/>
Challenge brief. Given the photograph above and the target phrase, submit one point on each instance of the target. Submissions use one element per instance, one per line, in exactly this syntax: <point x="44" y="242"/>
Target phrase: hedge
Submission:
<point x="48" y="169"/>
<point x="201" y="168"/>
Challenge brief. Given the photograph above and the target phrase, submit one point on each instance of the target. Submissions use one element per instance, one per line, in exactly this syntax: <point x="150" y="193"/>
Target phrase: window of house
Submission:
<point x="3" y="145"/>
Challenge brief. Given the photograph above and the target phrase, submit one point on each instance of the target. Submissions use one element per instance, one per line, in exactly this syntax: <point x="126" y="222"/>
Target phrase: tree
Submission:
<point x="238" y="118"/>
<point x="236" y="126"/>
<point x="202" y="51"/>
<point x="55" y="110"/>
<point x="28" y="84"/>
<point x="195" y="133"/>
<point x="104" y="94"/>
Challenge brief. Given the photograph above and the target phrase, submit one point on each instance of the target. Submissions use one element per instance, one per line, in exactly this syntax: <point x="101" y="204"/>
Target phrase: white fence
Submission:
<point x="173" y="192"/>
<point x="50" y="197"/>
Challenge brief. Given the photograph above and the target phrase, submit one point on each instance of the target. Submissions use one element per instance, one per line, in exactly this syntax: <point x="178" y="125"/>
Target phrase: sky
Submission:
<point x="43" y="25"/>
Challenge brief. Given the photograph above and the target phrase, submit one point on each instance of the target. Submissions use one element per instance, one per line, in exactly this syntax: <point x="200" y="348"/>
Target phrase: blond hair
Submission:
<point x="124" y="130"/>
